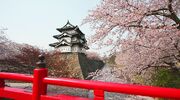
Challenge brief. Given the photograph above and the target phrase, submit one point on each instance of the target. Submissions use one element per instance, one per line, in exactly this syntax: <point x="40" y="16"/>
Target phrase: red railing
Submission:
<point x="40" y="82"/>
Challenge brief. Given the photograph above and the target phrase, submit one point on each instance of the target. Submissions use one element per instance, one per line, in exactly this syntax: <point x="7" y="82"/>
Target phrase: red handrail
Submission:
<point x="40" y="82"/>
<point x="15" y="76"/>
<point x="116" y="87"/>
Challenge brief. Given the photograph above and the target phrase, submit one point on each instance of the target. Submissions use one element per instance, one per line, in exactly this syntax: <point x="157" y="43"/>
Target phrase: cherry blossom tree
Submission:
<point x="93" y="55"/>
<point x="7" y="47"/>
<point x="58" y="67"/>
<point x="147" y="32"/>
<point x="28" y="55"/>
<point x="2" y="46"/>
<point x="8" y="51"/>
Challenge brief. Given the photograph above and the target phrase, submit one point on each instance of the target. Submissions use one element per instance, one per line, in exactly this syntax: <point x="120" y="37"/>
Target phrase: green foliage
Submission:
<point x="111" y="60"/>
<point x="167" y="78"/>
<point x="138" y="79"/>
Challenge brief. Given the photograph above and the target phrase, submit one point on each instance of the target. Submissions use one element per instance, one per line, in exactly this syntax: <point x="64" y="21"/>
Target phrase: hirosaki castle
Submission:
<point x="73" y="45"/>
<point x="71" y="39"/>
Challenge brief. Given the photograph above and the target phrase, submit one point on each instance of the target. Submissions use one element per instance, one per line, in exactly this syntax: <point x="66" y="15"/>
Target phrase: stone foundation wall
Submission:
<point x="73" y="63"/>
<point x="80" y="65"/>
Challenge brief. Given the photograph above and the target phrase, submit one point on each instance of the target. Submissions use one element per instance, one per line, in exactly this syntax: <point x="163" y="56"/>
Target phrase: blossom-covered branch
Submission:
<point x="148" y="30"/>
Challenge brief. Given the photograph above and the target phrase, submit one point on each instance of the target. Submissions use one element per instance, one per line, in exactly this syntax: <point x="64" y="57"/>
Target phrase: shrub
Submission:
<point x="167" y="78"/>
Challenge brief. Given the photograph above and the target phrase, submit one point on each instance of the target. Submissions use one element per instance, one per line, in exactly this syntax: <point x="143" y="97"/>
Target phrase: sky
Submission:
<point x="35" y="21"/>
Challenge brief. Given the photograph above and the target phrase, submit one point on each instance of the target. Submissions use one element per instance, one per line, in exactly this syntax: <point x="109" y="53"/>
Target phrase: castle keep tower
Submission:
<point x="71" y="39"/>
<point x="72" y="45"/>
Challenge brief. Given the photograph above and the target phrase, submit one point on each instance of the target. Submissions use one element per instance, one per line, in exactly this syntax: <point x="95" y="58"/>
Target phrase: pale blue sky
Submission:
<point x="35" y="21"/>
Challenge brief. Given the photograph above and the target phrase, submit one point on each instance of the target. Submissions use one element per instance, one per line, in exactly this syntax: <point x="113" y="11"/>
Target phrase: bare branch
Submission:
<point x="173" y="16"/>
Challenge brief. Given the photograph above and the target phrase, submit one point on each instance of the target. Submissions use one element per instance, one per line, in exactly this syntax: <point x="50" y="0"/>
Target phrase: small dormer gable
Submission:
<point x="63" y="43"/>
<point x="64" y="34"/>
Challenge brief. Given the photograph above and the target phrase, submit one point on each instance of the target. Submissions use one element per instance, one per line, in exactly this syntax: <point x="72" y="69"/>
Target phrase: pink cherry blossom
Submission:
<point x="148" y="30"/>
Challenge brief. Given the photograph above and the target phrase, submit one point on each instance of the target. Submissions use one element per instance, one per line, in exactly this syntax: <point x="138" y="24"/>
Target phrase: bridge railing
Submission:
<point x="40" y="82"/>
<point x="100" y="87"/>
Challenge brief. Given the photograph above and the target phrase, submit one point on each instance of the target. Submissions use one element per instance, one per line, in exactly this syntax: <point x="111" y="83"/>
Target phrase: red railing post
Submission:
<point x="2" y="83"/>
<point x="98" y="95"/>
<point x="39" y="88"/>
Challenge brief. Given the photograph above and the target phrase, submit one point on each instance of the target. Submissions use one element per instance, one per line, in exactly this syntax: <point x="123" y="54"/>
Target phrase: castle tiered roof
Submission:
<point x="73" y="32"/>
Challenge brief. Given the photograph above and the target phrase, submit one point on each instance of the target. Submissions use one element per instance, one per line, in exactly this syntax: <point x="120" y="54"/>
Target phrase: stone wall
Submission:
<point x="89" y="65"/>
<point x="72" y="63"/>
<point x="80" y="65"/>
